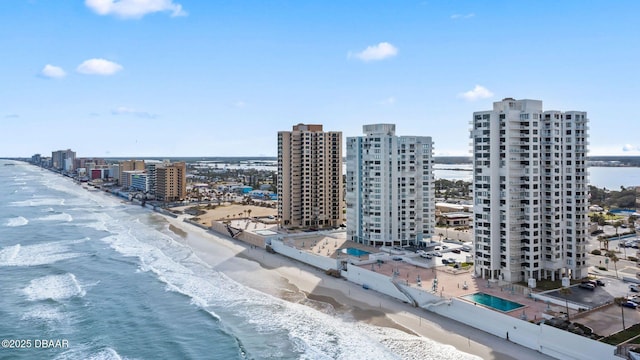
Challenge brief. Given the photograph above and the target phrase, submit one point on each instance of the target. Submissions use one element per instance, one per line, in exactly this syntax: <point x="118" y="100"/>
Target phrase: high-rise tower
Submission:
<point x="390" y="187"/>
<point x="530" y="192"/>
<point x="310" y="177"/>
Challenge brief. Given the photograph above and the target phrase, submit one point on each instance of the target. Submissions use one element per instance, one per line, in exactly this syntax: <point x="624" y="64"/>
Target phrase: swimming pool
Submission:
<point x="622" y="211"/>
<point x="355" y="252"/>
<point x="493" y="302"/>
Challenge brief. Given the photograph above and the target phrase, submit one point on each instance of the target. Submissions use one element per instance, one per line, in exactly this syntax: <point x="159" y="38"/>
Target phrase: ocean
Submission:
<point x="84" y="275"/>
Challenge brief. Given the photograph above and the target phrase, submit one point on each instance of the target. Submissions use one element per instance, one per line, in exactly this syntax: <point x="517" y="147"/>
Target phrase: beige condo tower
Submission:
<point x="310" y="178"/>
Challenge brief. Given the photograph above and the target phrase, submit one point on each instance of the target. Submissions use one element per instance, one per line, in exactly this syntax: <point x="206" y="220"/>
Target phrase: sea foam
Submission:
<point x="17" y="221"/>
<point x="38" y="202"/>
<point x="310" y="333"/>
<point x="57" y="217"/>
<point x="54" y="287"/>
<point x="38" y="254"/>
<point x="81" y="351"/>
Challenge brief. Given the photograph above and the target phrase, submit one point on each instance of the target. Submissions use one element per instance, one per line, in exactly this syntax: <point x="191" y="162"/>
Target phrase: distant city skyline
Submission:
<point x="191" y="78"/>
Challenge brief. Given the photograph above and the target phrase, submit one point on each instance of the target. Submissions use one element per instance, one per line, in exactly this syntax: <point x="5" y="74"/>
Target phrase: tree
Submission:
<point x="617" y="224"/>
<point x="249" y="212"/>
<point x="632" y="221"/>
<point x="619" y="301"/>
<point x="614" y="259"/>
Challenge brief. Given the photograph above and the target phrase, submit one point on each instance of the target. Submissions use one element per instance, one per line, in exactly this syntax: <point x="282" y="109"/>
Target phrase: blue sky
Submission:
<point x="221" y="78"/>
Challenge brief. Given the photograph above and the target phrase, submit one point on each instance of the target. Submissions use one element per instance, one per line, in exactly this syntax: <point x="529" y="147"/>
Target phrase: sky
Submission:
<point x="138" y="78"/>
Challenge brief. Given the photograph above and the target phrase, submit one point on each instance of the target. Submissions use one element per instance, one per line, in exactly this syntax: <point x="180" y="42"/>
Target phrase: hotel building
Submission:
<point x="390" y="187"/>
<point x="310" y="177"/>
<point x="171" y="181"/>
<point x="128" y="165"/>
<point x="63" y="160"/>
<point x="530" y="192"/>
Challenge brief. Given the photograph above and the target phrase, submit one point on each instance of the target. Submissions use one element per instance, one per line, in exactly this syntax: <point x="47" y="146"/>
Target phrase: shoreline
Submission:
<point x="309" y="286"/>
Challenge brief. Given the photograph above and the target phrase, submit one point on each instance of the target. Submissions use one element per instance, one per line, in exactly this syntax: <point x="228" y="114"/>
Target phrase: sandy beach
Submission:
<point x="290" y="280"/>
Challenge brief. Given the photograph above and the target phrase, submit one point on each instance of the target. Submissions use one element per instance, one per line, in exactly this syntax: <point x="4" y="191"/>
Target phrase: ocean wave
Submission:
<point x="54" y="287"/>
<point x="17" y="221"/>
<point x="38" y="254"/>
<point x="45" y="313"/>
<point x="86" y="353"/>
<point x="309" y="333"/>
<point x="57" y="217"/>
<point x="38" y="202"/>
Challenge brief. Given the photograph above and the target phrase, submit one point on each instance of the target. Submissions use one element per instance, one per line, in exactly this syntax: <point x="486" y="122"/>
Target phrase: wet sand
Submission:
<point x="296" y="282"/>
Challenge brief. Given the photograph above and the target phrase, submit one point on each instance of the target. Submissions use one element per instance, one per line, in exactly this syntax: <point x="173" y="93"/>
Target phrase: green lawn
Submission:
<point x="622" y="336"/>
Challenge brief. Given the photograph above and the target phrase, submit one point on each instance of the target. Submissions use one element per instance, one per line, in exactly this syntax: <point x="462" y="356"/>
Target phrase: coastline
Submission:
<point x="301" y="283"/>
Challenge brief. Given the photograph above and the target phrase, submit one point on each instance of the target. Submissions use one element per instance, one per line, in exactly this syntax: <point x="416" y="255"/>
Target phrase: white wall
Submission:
<point x="544" y="338"/>
<point x="374" y="281"/>
<point x="321" y="262"/>
<point x="556" y="301"/>
<point x="565" y="345"/>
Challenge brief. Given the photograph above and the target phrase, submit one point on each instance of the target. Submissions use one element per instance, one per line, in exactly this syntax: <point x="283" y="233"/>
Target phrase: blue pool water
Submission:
<point x="355" y="252"/>
<point x="493" y="302"/>
<point x="622" y="211"/>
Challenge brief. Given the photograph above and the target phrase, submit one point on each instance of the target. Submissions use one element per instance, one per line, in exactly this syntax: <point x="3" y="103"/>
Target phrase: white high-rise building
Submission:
<point x="390" y="187"/>
<point x="530" y="192"/>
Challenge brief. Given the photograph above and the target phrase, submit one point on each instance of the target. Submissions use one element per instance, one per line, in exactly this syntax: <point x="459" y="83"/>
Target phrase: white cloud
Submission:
<point x="478" y="92"/>
<point x="51" y="71"/>
<point x="98" y="67"/>
<point x="375" y="52"/>
<point x="630" y="148"/>
<point x="11" y="116"/>
<point x="134" y="9"/>
<point x="239" y="104"/>
<point x="389" y="101"/>
<point x="462" y="16"/>
<point x="122" y="110"/>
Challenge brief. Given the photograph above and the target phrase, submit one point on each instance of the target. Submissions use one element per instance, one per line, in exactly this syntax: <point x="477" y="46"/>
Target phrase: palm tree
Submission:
<point x="566" y="291"/>
<point x="617" y="224"/>
<point x="614" y="259"/>
<point x="249" y="212"/>
<point x="619" y="301"/>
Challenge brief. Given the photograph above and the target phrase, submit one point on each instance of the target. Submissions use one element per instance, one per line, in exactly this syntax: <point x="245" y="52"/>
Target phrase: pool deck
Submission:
<point x="451" y="284"/>
<point x="450" y="281"/>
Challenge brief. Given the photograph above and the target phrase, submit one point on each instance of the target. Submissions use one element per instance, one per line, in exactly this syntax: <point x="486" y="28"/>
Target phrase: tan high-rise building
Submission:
<point x="128" y="165"/>
<point x="310" y="193"/>
<point x="171" y="181"/>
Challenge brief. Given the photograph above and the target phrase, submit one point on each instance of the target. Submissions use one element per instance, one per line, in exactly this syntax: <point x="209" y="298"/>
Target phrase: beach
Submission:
<point x="271" y="273"/>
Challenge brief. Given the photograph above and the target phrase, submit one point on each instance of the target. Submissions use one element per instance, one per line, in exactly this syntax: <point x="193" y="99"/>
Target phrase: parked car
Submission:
<point x="466" y="248"/>
<point x="629" y="304"/>
<point x="438" y="254"/>
<point x="588" y="286"/>
<point x="456" y="251"/>
<point x="445" y="261"/>
<point x="437" y="248"/>
<point x="634" y="288"/>
<point x="599" y="282"/>
<point x="426" y="255"/>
